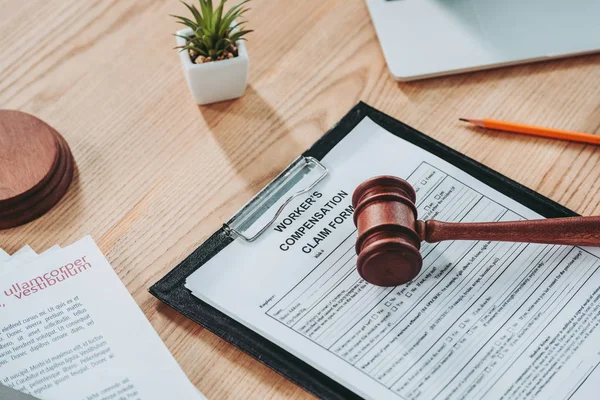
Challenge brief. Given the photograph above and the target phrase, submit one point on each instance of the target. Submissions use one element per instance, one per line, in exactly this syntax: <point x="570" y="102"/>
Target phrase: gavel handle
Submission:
<point x="576" y="231"/>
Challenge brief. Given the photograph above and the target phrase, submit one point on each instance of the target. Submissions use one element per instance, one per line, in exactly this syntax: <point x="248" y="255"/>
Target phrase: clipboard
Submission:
<point x="171" y="289"/>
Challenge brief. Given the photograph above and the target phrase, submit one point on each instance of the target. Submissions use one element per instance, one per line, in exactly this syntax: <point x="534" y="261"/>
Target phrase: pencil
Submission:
<point x="534" y="130"/>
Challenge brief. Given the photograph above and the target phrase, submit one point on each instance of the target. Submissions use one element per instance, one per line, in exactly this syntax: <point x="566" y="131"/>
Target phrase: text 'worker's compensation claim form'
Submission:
<point x="482" y="320"/>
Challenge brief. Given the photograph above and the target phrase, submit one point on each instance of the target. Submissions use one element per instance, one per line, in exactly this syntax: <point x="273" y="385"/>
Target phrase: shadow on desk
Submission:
<point x="495" y="75"/>
<point x="246" y="129"/>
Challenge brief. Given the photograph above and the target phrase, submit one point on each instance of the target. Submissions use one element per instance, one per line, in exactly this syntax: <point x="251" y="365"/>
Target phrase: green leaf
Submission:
<point x="216" y="22"/>
<point x="226" y="25"/>
<point x="200" y="51"/>
<point x="207" y="10"/>
<point x="223" y="29"/>
<point x="233" y="11"/>
<point x="194" y="12"/>
<point x="185" y="21"/>
<point x="238" y="35"/>
<point x="198" y="33"/>
<point x="237" y="25"/>
<point x="222" y="44"/>
<point x="229" y="19"/>
<point x="208" y="41"/>
<point x="202" y="46"/>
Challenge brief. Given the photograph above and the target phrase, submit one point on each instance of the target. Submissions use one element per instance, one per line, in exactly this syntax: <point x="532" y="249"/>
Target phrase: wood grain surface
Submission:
<point x="157" y="174"/>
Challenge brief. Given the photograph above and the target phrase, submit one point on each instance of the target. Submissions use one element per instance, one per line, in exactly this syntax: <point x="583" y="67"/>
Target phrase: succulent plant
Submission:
<point x="214" y="32"/>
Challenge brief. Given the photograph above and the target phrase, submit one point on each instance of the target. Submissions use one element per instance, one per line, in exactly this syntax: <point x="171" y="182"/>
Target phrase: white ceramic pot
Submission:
<point x="217" y="80"/>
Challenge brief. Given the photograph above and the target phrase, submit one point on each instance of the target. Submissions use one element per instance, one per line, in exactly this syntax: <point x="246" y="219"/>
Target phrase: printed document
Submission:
<point x="23" y="256"/>
<point x="483" y="320"/>
<point x="70" y="330"/>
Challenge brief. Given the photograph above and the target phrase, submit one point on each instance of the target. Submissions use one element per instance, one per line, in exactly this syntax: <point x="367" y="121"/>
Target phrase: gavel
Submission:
<point x="390" y="235"/>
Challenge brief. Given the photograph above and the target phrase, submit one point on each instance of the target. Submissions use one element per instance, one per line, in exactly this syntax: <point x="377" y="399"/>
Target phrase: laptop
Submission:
<point x="428" y="38"/>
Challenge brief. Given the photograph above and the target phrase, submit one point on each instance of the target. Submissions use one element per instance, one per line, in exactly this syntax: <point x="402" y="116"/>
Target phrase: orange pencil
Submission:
<point x="534" y="130"/>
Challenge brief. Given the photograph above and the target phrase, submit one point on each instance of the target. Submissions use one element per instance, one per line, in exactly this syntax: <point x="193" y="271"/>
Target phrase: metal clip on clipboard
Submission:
<point x="303" y="168"/>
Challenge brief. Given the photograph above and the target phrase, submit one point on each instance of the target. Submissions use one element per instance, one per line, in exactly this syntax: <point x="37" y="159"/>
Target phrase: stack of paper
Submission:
<point x="70" y="330"/>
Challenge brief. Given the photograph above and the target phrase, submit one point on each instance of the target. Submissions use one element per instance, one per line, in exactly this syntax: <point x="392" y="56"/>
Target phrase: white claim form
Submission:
<point x="482" y="320"/>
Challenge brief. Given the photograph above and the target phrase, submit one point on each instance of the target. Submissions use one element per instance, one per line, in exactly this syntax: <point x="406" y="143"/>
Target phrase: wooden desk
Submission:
<point x="157" y="174"/>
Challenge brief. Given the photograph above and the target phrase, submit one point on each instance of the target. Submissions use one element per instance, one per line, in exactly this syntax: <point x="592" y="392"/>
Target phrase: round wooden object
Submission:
<point x="36" y="168"/>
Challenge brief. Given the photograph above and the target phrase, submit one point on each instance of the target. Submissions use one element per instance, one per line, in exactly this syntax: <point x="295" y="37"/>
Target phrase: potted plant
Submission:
<point x="212" y="51"/>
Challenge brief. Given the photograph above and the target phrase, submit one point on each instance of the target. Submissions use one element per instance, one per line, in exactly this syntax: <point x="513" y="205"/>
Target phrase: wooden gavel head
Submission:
<point x="388" y="240"/>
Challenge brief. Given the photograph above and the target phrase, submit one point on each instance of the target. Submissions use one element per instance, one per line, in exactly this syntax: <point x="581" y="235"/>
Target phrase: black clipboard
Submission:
<point x="172" y="292"/>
